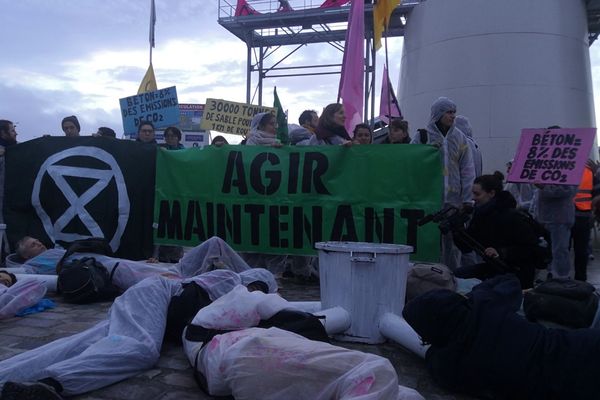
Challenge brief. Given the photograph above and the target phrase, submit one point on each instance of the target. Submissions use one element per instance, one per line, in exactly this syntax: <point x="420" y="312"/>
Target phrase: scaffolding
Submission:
<point x="306" y="24"/>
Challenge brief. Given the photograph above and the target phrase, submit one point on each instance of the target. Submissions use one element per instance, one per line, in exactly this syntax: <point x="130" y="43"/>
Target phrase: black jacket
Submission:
<point x="499" y="225"/>
<point x="479" y="345"/>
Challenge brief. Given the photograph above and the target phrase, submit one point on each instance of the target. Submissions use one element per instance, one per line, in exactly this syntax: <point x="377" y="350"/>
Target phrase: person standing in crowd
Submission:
<point x="70" y="126"/>
<point x="105" y="132"/>
<point x="363" y="134"/>
<point x="554" y="209"/>
<point x="8" y="134"/>
<point x="163" y="252"/>
<point x="263" y="130"/>
<point x="330" y="129"/>
<point x="173" y="139"/>
<point x="458" y="166"/>
<point x="308" y="123"/>
<point x="146" y="133"/>
<point x="588" y="189"/>
<point x="219" y="141"/>
<point x="522" y="192"/>
<point x="8" y="137"/>
<point x="398" y="132"/>
<point x="462" y="123"/>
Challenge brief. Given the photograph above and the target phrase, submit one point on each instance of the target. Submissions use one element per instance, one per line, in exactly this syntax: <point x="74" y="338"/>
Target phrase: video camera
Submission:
<point x="452" y="219"/>
<point x="449" y="218"/>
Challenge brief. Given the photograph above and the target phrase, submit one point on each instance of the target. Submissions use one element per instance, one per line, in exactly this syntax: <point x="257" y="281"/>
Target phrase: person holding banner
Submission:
<point x="146" y="133"/>
<point x="363" y="134"/>
<point x="330" y="129"/>
<point x="70" y="126"/>
<point x="398" y="132"/>
<point x="308" y="123"/>
<point x="263" y="131"/>
<point x="173" y="139"/>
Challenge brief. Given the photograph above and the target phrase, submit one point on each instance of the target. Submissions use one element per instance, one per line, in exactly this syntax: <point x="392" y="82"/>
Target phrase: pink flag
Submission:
<point x="388" y="105"/>
<point x="243" y="8"/>
<point x="333" y="3"/>
<point x="353" y="66"/>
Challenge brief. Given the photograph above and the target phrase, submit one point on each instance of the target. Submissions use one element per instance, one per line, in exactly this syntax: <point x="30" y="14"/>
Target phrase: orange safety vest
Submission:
<point x="583" y="198"/>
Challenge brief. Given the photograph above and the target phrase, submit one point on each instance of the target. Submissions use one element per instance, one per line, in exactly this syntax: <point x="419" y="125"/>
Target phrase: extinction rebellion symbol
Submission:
<point x="77" y="202"/>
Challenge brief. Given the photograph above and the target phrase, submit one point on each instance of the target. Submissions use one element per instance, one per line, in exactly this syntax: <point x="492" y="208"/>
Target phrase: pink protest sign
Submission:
<point x="552" y="156"/>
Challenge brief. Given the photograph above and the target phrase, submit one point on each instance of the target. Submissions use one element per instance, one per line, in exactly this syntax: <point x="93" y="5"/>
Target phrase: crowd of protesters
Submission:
<point x="565" y="211"/>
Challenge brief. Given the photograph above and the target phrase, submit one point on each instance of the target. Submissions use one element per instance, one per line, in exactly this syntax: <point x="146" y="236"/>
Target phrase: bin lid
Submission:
<point x="364" y="247"/>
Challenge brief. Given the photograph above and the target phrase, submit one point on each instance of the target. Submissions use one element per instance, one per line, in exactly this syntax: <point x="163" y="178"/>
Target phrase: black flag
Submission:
<point x="60" y="189"/>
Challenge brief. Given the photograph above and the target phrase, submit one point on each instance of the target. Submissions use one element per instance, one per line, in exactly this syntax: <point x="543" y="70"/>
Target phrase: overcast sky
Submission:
<point x="64" y="57"/>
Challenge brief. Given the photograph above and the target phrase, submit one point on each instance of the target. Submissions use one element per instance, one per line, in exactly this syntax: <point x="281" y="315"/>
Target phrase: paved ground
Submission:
<point x="172" y="378"/>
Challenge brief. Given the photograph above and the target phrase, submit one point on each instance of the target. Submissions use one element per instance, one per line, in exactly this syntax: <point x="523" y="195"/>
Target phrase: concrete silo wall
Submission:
<point x="508" y="64"/>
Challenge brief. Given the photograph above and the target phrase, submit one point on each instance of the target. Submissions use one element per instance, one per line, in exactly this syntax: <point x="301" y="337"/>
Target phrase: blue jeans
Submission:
<point x="560" y="235"/>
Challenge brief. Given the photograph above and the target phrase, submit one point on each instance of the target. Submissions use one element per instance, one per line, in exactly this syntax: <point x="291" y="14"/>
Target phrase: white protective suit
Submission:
<point x="211" y="254"/>
<point x="19" y="296"/>
<point x="462" y="123"/>
<point x="459" y="170"/>
<point x="272" y="364"/>
<point x="128" y="342"/>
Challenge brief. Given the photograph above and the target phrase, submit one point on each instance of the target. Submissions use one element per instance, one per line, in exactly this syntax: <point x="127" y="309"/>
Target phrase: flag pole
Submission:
<point x="152" y="23"/>
<point x="387" y="71"/>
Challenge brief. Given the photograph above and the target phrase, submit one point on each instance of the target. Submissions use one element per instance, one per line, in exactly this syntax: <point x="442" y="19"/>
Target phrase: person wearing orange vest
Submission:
<point x="580" y="233"/>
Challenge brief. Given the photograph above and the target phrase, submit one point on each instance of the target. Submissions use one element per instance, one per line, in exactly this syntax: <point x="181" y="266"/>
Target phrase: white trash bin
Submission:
<point x="367" y="280"/>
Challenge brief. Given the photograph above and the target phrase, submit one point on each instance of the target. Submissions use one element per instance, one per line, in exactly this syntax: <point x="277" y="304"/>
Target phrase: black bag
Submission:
<point x="299" y="322"/>
<point x="90" y="245"/>
<point x="563" y="301"/>
<point x="85" y="280"/>
<point x="183" y="308"/>
<point x="543" y="250"/>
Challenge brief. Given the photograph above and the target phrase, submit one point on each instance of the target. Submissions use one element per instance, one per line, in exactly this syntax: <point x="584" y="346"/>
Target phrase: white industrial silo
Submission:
<point x="508" y="64"/>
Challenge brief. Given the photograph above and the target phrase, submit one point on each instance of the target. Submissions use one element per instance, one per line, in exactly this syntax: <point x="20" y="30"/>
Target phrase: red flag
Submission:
<point x="388" y="104"/>
<point x="353" y="66"/>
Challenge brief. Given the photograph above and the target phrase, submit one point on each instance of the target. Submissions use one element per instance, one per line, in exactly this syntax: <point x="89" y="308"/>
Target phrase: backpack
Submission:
<point x="85" y="280"/>
<point x="543" y="250"/>
<point x="183" y="308"/>
<point x="90" y="245"/>
<point x="563" y="301"/>
<point x="424" y="277"/>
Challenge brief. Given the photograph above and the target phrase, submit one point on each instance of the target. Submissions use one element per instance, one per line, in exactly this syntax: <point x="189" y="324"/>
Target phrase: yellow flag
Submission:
<point x="149" y="82"/>
<point x="382" y="10"/>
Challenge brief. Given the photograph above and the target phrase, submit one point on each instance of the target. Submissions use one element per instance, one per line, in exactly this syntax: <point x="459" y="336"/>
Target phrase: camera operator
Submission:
<point x="503" y="232"/>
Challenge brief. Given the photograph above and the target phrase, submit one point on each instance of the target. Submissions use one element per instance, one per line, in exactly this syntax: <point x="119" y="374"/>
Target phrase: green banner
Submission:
<point x="282" y="201"/>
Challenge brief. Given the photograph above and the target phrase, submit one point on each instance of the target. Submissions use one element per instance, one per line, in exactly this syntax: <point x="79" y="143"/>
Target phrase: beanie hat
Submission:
<point x="72" y="119"/>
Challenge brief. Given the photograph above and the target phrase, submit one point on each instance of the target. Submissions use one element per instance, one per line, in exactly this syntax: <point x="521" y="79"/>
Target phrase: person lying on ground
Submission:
<point x="121" y="346"/>
<point x="481" y="346"/>
<point x="17" y="295"/>
<point x="252" y="345"/>
<point x="212" y="254"/>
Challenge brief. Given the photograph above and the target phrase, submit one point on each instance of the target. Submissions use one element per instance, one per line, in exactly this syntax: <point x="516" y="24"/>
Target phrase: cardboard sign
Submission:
<point x="160" y="107"/>
<point x="230" y="117"/>
<point x="552" y="156"/>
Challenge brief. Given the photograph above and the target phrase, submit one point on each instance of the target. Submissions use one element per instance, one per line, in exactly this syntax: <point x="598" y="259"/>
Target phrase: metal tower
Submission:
<point x="306" y="24"/>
